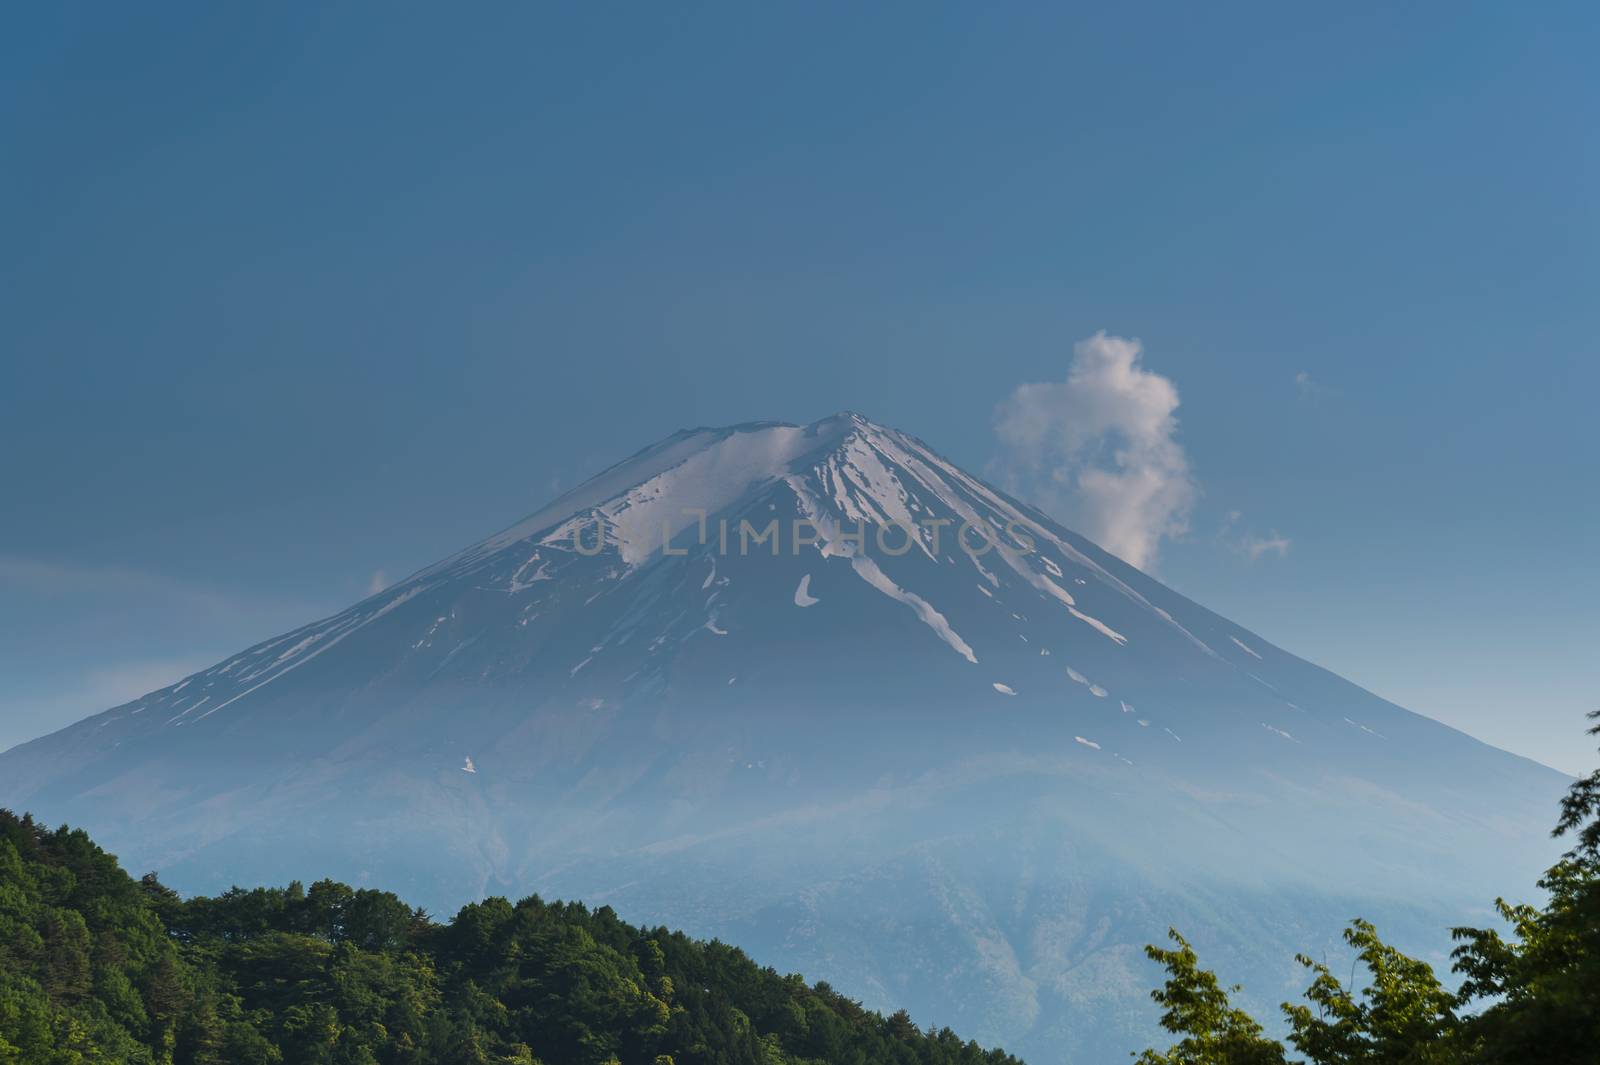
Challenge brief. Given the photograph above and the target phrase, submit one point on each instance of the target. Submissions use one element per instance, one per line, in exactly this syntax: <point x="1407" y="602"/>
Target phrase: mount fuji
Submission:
<point x="819" y="692"/>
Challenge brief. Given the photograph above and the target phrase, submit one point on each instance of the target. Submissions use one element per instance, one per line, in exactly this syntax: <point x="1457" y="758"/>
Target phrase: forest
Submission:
<point x="96" y="966"/>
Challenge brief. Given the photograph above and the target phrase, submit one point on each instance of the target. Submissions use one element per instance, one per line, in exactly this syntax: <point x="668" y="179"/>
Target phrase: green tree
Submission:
<point x="1403" y="1016"/>
<point x="1528" y="995"/>
<point x="1197" y="1007"/>
<point x="97" y="967"/>
<point x="1542" y="985"/>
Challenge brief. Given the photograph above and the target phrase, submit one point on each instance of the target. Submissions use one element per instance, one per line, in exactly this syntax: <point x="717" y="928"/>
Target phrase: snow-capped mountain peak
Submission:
<point x="747" y="673"/>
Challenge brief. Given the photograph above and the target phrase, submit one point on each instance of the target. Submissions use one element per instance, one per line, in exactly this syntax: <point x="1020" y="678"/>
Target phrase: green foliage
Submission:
<point x="1544" y="982"/>
<point x="1197" y="1007"/>
<point x="97" y="967"/>
<point x="1404" y="1016"/>
<point x="1532" y="997"/>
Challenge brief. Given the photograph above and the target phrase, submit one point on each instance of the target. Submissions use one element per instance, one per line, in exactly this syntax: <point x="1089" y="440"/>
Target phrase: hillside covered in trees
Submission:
<point x="98" y="967"/>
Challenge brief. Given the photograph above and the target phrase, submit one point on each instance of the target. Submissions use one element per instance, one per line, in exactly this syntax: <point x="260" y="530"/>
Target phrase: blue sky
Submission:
<point x="291" y="297"/>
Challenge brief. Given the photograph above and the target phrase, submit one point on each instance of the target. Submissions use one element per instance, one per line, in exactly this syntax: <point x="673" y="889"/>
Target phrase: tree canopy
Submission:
<point x="98" y="967"/>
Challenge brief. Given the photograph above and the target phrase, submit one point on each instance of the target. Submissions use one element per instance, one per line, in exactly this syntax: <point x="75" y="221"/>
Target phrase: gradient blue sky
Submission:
<point x="292" y="294"/>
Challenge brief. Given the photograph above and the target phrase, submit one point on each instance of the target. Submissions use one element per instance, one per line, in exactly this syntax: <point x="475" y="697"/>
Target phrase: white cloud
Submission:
<point x="377" y="582"/>
<point x="1271" y="544"/>
<point x="1248" y="543"/>
<point x="1310" y="388"/>
<point x="1100" y="450"/>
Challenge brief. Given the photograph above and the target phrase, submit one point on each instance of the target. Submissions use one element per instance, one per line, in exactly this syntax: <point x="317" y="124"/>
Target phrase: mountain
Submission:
<point x="818" y="691"/>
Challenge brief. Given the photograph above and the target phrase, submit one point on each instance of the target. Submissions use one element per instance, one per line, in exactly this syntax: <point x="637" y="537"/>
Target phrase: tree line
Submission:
<point x="96" y="966"/>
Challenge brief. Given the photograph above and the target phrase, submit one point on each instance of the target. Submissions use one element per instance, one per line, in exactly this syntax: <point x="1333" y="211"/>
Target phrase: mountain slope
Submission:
<point x="920" y="740"/>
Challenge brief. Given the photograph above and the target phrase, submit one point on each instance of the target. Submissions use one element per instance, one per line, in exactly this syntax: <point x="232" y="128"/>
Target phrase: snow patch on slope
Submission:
<point x="831" y="543"/>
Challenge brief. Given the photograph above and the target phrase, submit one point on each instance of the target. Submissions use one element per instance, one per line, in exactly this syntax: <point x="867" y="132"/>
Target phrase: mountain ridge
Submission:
<point x="612" y="700"/>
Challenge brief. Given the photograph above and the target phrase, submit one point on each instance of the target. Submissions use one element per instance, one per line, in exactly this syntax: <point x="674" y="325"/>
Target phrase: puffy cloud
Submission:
<point x="1100" y="449"/>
